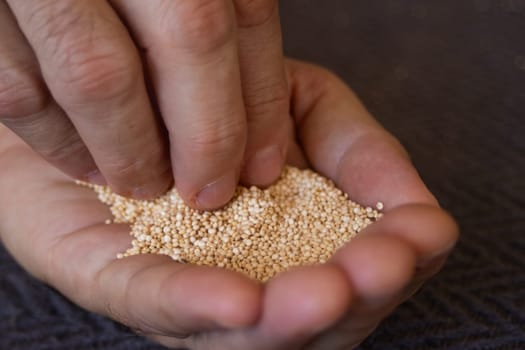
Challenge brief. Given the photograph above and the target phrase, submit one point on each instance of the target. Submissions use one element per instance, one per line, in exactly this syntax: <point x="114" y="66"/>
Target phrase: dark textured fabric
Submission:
<point x="448" y="78"/>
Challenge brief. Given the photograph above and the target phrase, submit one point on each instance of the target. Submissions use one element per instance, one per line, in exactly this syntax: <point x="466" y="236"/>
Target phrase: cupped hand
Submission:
<point x="56" y="230"/>
<point x="110" y="90"/>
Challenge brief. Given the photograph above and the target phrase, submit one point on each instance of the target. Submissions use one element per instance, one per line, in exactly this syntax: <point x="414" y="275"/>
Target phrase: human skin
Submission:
<point x="139" y="94"/>
<point x="331" y="306"/>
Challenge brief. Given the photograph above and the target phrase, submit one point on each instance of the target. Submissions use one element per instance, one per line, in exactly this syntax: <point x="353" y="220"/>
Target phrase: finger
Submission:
<point x="303" y="302"/>
<point x="93" y="71"/>
<point x="159" y="296"/>
<point x="295" y="156"/>
<point x="378" y="266"/>
<point x="297" y="305"/>
<point x="386" y="264"/>
<point x="342" y="141"/>
<point x="27" y="108"/>
<point x="265" y="90"/>
<point x="192" y="53"/>
<point x="430" y="231"/>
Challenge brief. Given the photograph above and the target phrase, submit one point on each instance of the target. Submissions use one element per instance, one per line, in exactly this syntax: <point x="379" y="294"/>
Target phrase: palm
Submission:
<point x="56" y="230"/>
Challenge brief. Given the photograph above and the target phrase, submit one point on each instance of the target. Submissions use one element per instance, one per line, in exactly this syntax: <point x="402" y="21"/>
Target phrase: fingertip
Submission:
<point x="450" y="230"/>
<point x="264" y="167"/>
<point x="139" y="180"/>
<point x="242" y="302"/>
<point x="217" y="193"/>
<point x="152" y="190"/>
<point x="430" y="230"/>
<point x="377" y="265"/>
<point x="219" y="297"/>
<point x="305" y="301"/>
<point x="444" y="241"/>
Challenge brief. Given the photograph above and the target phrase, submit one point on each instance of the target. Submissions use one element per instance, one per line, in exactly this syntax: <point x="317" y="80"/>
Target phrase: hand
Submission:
<point x="94" y="86"/>
<point x="56" y="230"/>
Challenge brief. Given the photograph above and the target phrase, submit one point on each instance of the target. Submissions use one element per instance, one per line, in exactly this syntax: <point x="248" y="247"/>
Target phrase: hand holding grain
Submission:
<point x="302" y="219"/>
<point x="330" y="306"/>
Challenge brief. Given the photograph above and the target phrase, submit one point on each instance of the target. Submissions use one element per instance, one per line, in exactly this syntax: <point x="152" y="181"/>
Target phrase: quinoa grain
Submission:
<point x="301" y="219"/>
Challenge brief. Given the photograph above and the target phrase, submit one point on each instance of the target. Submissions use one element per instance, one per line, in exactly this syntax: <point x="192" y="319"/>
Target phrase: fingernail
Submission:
<point x="95" y="177"/>
<point x="154" y="189"/>
<point x="265" y="166"/>
<point x="217" y="193"/>
<point x="148" y="192"/>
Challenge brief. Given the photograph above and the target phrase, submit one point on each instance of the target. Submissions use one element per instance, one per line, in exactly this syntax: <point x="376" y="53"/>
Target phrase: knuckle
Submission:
<point x="50" y="20"/>
<point x="21" y="94"/>
<point x="320" y="81"/>
<point x="252" y="13"/>
<point x="266" y="98"/>
<point x="198" y="26"/>
<point x="90" y="61"/>
<point x="95" y="74"/>
<point x="218" y="140"/>
<point x="68" y="148"/>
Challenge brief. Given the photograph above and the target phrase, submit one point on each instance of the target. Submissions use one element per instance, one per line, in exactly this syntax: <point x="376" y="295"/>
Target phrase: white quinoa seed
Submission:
<point x="302" y="219"/>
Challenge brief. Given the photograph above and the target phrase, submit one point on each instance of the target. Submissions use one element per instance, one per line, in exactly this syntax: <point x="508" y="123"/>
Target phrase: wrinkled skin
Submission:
<point x="194" y="91"/>
<point x="55" y="229"/>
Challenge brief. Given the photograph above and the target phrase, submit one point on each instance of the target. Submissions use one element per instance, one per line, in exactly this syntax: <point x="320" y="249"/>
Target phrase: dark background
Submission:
<point x="448" y="78"/>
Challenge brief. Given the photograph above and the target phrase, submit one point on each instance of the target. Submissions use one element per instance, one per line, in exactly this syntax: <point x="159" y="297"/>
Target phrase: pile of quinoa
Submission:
<point x="302" y="219"/>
